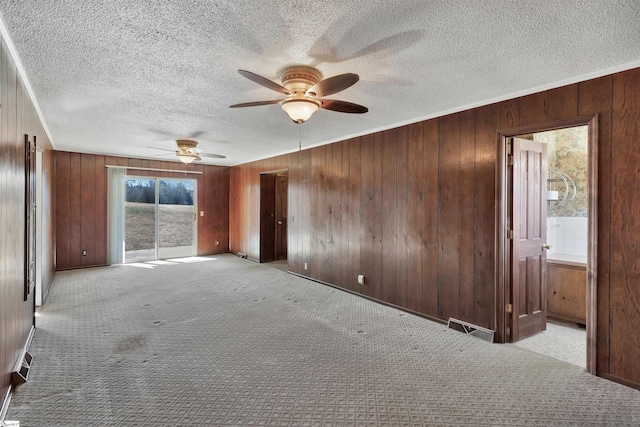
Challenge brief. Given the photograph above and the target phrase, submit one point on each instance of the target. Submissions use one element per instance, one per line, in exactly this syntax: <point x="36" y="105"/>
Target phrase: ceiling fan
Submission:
<point x="304" y="88"/>
<point x="189" y="152"/>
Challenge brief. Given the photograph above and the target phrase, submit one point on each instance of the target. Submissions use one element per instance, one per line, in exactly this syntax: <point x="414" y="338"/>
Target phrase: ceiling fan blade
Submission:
<point x="333" y="84"/>
<point x="254" y="104"/>
<point x="342" y="106"/>
<point x="269" y="84"/>
<point x="214" y="156"/>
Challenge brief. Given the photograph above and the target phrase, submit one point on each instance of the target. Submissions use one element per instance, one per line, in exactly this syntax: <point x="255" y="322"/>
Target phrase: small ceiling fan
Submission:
<point x="304" y="88"/>
<point x="189" y="152"/>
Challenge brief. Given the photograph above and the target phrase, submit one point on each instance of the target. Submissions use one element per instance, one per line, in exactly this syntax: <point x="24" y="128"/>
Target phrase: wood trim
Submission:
<point x="592" y="247"/>
<point x="619" y="380"/>
<point x="275" y="171"/>
<point x="27" y="213"/>
<point x="547" y="126"/>
<point x="596" y="97"/>
<point x="502" y="243"/>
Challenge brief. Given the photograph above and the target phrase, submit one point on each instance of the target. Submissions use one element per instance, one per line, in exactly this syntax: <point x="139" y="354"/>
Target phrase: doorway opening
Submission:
<point x="547" y="225"/>
<point x="274" y="199"/>
<point x="160" y="219"/>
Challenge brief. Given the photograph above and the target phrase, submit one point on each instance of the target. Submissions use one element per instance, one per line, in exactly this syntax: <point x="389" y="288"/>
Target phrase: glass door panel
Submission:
<point x="140" y="220"/>
<point x="176" y="218"/>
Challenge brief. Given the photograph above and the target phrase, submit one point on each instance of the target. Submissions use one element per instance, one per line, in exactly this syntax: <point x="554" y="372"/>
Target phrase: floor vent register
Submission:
<point x="21" y="375"/>
<point x="470" y="329"/>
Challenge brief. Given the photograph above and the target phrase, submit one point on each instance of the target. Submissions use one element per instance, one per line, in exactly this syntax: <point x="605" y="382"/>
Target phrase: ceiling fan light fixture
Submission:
<point x="186" y="158"/>
<point x="305" y="91"/>
<point x="300" y="110"/>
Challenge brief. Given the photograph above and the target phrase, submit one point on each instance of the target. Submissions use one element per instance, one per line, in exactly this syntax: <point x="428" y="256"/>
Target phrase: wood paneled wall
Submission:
<point x="17" y="118"/>
<point x="413" y="210"/>
<point x="81" y="193"/>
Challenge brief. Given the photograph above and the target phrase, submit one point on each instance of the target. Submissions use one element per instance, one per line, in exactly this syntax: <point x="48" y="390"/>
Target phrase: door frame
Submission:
<point x="503" y="199"/>
<point x="30" y="264"/>
<point x="157" y="180"/>
<point x="282" y="239"/>
<point x="260" y="228"/>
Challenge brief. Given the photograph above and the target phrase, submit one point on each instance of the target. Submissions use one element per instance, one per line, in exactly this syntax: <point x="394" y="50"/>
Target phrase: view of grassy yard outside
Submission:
<point x="175" y="214"/>
<point x="140" y="226"/>
<point x="176" y="226"/>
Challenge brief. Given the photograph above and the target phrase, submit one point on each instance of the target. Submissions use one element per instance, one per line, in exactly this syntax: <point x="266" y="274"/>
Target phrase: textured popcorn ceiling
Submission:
<point x="115" y="77"/>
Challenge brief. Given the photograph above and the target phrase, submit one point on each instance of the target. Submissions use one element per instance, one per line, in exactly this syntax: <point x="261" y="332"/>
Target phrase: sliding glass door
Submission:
<point x="139" y="219"/>
<point x="176" y="218"/>
<point x="160" y="218"/>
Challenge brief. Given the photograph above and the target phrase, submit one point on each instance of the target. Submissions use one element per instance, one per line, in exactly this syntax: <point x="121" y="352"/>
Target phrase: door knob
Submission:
<point x="279" y="222"/>
<point x="546" y="246"/>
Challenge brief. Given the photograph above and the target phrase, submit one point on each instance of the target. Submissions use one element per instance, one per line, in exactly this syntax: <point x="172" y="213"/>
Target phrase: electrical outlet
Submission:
<point x="201" y="213"/>
<point x="360" y="279"/>
<point x="217" y="242"/>
<point x="84" y="252"/>
<point x="305" y="265"/>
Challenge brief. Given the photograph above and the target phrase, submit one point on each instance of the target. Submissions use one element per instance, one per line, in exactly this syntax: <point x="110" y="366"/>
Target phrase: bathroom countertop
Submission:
<point x="566" y="259"/>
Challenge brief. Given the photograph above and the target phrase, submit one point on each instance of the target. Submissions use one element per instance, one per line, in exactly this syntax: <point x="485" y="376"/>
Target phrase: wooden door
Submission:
<point x="267" y="217"/>
<point x="282" y="186"/>
<point x="529" y="227"/>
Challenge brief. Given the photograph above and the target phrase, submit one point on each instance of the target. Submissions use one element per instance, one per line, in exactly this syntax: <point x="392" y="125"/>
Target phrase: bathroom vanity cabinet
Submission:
<point x="567" y="290"/>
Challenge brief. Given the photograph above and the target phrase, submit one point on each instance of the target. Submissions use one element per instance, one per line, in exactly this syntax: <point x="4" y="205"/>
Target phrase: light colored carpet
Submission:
<point x="227" y="341"/>
<point x="562" y="340"/>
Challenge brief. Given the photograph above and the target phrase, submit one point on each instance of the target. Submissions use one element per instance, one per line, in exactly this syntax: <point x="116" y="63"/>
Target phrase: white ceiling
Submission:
<point x="115" y="77"/>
